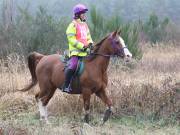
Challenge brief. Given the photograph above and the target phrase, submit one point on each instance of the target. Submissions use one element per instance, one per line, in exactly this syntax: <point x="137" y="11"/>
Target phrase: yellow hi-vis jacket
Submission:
<point x="78" y="36"/>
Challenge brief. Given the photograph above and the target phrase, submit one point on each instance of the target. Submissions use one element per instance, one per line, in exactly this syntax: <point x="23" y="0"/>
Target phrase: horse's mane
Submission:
<point x="96" y="48"/>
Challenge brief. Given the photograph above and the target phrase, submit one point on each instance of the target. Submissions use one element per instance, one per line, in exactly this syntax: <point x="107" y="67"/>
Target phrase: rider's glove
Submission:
<point x="90" y="45"/>
<point x="84" y="48"/>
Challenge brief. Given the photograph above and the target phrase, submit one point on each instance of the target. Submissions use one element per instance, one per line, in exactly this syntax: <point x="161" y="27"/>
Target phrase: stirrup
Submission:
<point x="67" y="90"/>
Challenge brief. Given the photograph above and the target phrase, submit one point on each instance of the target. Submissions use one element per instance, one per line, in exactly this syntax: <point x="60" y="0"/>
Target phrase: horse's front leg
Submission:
<point x="103" y="96"/>
<point x="86" y="97"/>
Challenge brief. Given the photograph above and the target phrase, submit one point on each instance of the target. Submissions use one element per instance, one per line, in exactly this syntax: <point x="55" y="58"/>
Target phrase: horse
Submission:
<point x="48" y="71"/>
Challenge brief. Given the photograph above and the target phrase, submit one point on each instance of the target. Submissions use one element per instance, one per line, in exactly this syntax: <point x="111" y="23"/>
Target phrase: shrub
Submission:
<point x="156" y="29"/>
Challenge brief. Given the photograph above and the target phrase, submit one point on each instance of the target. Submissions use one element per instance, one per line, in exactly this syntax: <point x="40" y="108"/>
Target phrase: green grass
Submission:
<point x="28" y="123"/>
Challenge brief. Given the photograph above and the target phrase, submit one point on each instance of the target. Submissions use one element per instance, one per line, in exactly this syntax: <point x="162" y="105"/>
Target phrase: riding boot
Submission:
<point x="68" y="76"/>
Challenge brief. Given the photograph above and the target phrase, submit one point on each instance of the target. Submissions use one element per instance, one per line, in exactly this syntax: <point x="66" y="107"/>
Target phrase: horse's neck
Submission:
<point x="100" y="61"/>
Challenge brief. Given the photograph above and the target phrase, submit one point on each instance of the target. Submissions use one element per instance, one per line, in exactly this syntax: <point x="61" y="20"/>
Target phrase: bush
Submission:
<point x="43" y="33"/>
<point x="156" y="29"/>
<point x="40" y="33"/>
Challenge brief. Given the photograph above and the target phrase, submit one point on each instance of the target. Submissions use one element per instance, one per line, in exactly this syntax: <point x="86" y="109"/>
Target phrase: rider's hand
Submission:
<point x="90" y="45"/>
<point x="85" y="48"/>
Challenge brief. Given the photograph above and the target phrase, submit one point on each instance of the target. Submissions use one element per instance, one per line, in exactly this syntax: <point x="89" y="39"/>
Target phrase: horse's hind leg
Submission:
<point x="103" y="96"/>
<point x="43" y="97"/>
<point x="42" y="109"/>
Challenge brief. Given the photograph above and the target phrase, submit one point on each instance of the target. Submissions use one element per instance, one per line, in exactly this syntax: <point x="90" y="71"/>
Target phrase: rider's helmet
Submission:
<point x="79" y="9"/>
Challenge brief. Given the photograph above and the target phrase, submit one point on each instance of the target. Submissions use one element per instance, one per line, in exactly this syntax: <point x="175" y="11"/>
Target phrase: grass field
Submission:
<point x="145" y="94"/>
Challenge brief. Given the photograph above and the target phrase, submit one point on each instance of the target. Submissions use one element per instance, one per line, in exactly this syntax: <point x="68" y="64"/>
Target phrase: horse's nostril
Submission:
<point x="129" y="56"/>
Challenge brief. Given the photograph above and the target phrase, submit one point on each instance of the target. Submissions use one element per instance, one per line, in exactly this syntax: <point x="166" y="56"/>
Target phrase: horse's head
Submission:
<point x="117" y="46"/>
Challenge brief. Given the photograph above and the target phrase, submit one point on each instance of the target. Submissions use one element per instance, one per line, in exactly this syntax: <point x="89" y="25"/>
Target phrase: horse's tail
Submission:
<point x="33" y="60"/>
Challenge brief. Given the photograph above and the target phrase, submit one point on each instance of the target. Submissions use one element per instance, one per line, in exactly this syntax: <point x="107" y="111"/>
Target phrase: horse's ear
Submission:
<point x="119" y="32"/>
<point x="114" y="34"/>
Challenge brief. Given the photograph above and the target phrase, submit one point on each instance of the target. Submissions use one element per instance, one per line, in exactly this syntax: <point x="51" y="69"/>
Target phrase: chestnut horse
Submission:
<point x="48" y="71"/>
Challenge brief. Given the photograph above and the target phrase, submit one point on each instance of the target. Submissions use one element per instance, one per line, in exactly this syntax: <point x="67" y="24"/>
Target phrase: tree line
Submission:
<point x="45" y="33"/>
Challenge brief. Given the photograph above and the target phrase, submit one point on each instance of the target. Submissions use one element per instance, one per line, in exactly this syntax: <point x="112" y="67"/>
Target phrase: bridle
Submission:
<point x="117" y="52"/>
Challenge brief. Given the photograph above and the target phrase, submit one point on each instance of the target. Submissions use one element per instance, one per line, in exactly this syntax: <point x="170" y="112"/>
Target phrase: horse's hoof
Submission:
<point x="45" y="120"/>
<point x="86" y="118"/>
<point x="107" y="114"/>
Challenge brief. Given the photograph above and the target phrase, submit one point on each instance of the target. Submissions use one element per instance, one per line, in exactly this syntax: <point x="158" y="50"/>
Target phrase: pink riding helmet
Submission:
<point x="79" y="8"/>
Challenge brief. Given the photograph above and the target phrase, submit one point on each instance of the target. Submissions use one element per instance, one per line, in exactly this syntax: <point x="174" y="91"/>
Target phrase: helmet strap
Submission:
<point x="83" y="20"/>
<point x="77" y="16"/>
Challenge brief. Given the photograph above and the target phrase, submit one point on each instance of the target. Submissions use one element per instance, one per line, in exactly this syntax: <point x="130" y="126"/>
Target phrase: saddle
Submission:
<point x="75" y="83"/>
<point x="80" y="66"/>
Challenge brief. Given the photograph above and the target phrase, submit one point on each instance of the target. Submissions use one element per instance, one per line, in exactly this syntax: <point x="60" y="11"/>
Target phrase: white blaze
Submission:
<point x="126" y="51"/>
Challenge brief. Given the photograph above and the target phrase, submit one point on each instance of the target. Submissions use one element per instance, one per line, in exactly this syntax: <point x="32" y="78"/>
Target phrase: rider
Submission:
<point x="79" y="39"/>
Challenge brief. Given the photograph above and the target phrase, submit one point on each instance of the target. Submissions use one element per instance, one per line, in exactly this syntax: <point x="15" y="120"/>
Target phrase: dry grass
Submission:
<point x="148" y="88"/>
